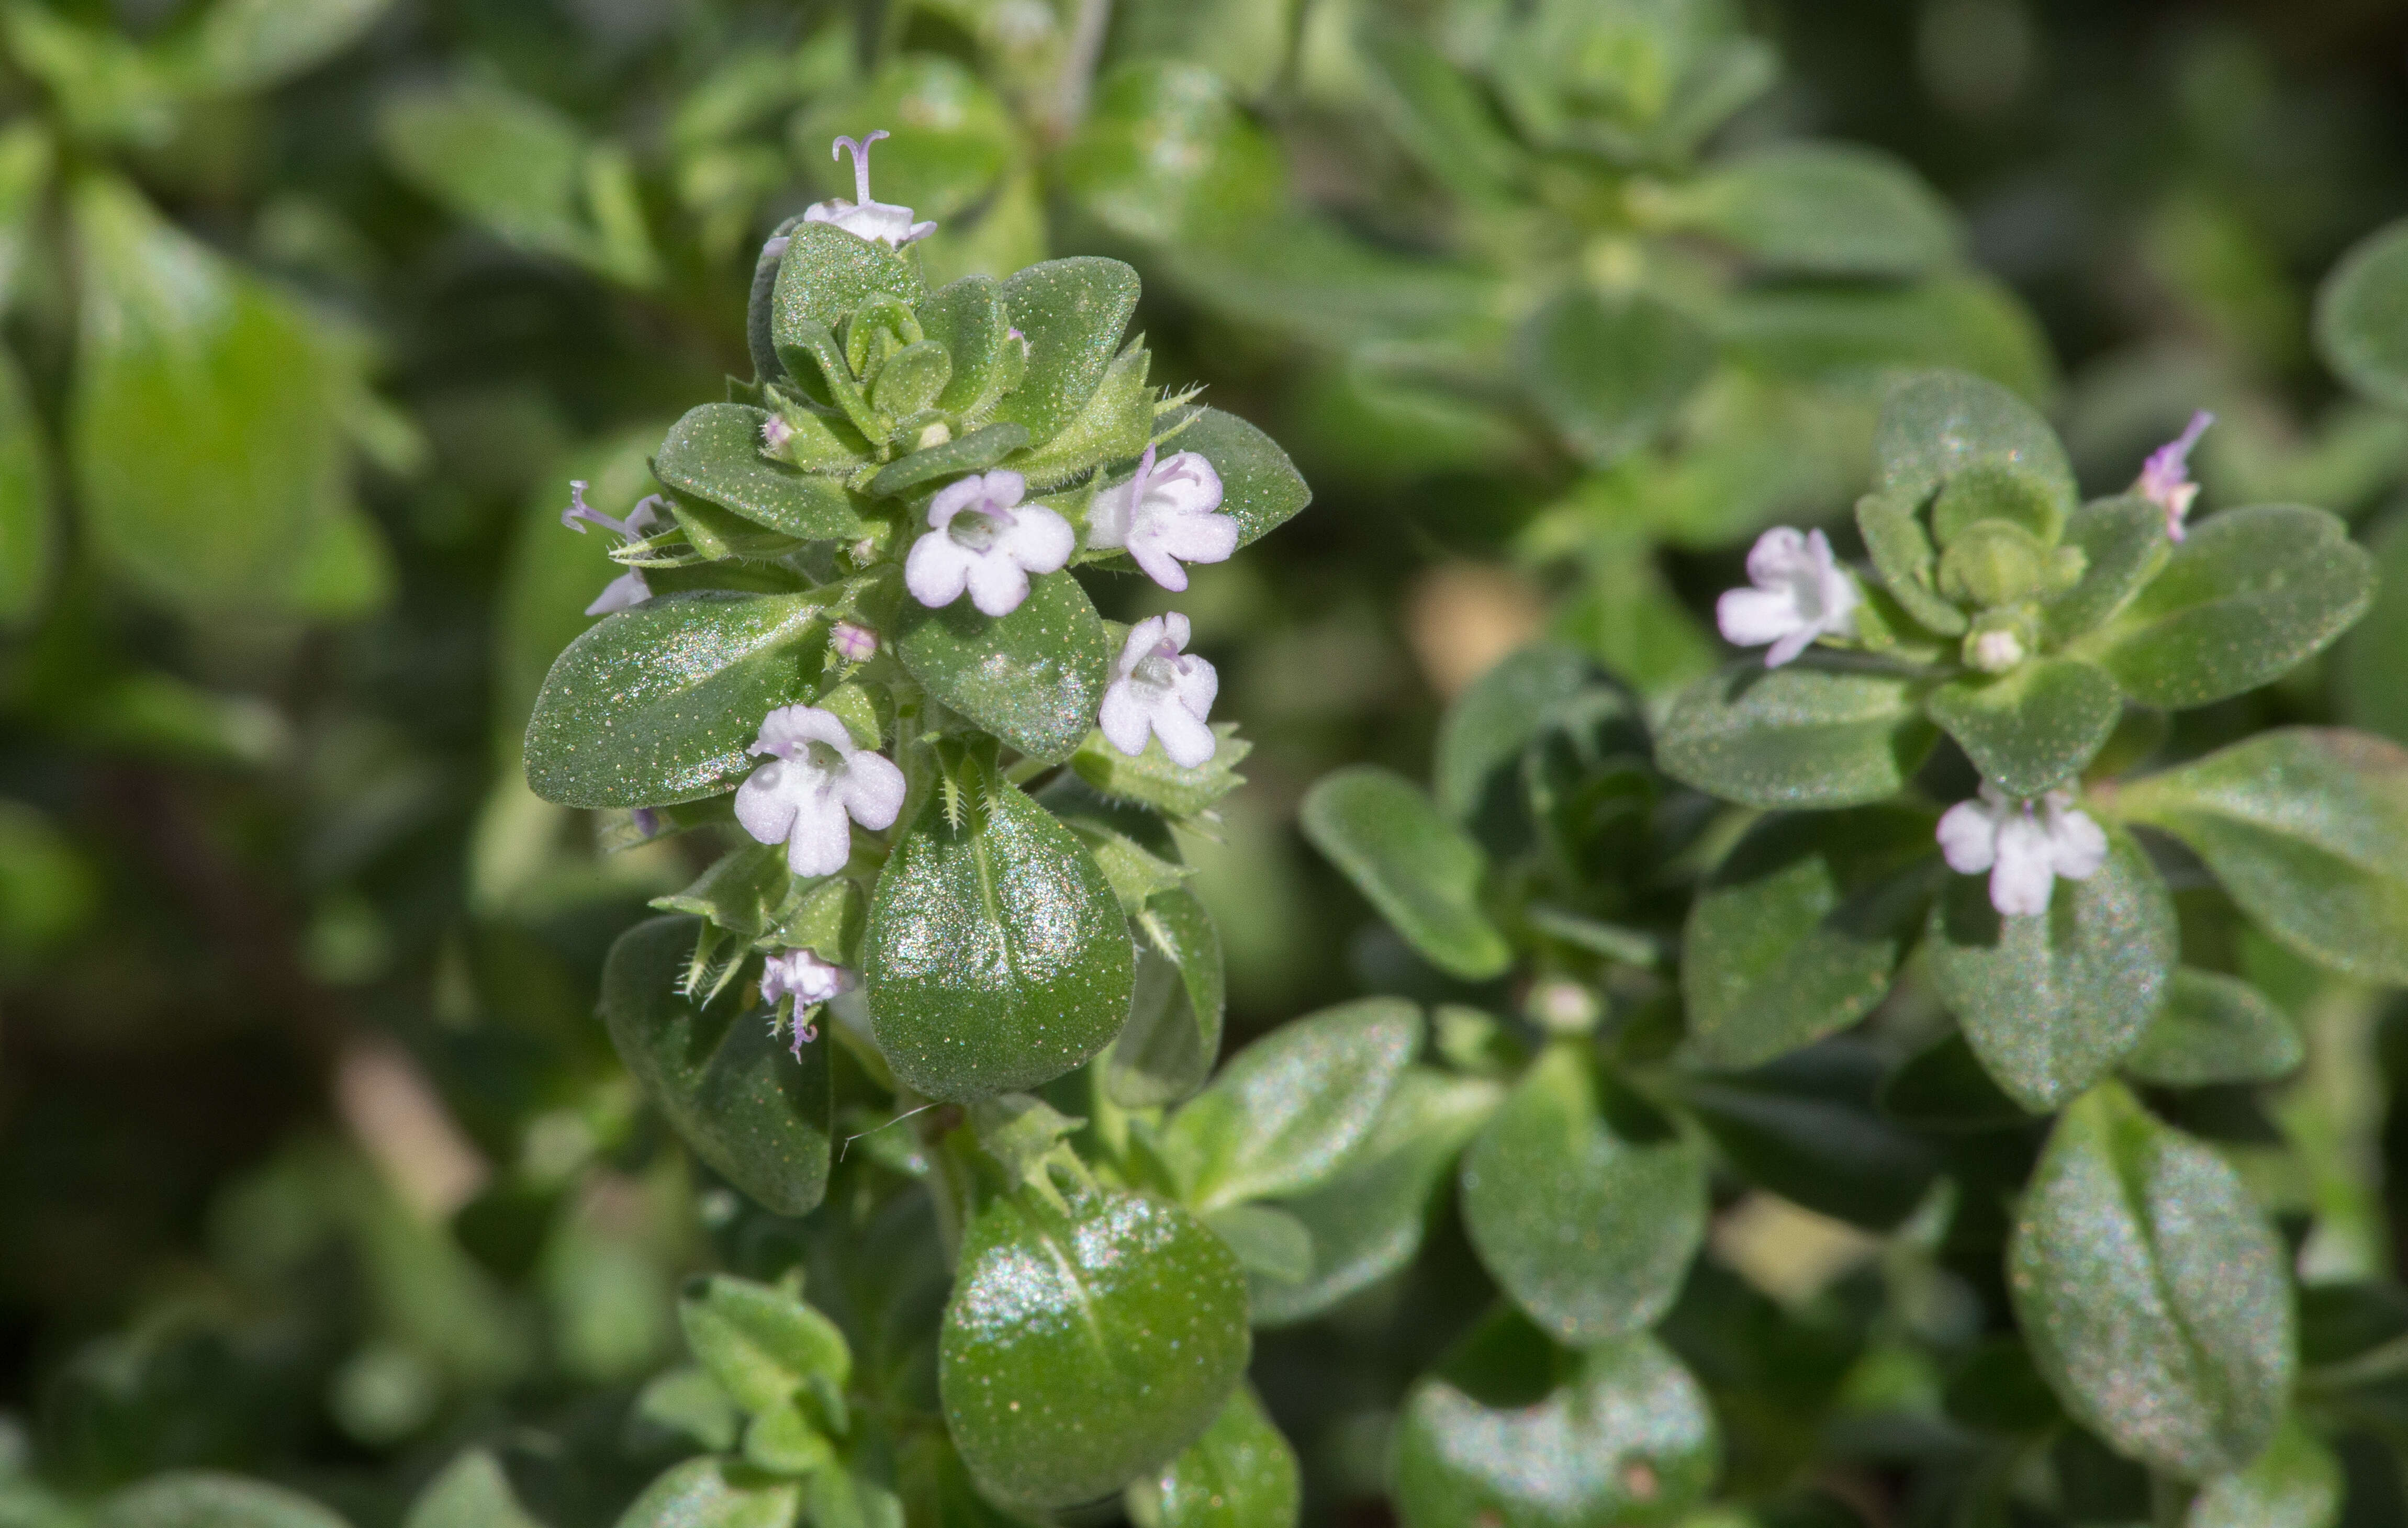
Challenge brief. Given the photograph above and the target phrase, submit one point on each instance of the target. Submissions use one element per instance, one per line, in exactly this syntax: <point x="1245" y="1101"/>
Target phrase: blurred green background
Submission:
<point x="310" y="1151"/>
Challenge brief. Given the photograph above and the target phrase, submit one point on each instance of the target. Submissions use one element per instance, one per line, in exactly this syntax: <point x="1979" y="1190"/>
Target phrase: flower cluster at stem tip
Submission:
<point x="985" y="538"/>
<point x="1800" y="594"/>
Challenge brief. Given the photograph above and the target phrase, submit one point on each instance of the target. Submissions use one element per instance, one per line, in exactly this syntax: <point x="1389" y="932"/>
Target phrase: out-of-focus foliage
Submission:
<point x="326" y="1196"/>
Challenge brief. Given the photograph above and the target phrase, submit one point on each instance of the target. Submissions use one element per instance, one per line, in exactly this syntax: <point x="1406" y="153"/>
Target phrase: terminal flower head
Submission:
<point x="1165" y="516"/>
<point x="2165" y="477"/>
<point x="861" y="216"/>
<point x="2024" y="844"/>
<point x="983" y="538"/>
<point x="813" y="779"/>
<point x="1801" y="593"/>
<point x="628" y="588"/>
<point x="1159" y="688"/>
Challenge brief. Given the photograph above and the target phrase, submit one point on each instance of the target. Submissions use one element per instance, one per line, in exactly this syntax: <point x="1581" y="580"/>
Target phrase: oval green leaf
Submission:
<point x="738" y="1096"/>
<point x="1173" y="1034"/>
<point x="1821" y="209"/>
<point x="1796" y="935"/>
<point x="2295" y="1483"/>
<point x="2362" y="316"/>
<point x="714" y="1493"/>
<point x="2152" y="1291"/>
<point x="2032" y="729"/>
<point x="1260" y="488"/>
<point x="714" y="453"/>
<point x="208" y="1499"/>
<point x="996" y="957"/>
<point x="1284" y="1115"/>
<point x="657" y="704"/>
<point x="1071" y="312"/>
<point x="1033" y="677"/>
<point x="1609" y="374"/>
<point x="2052" y="1002"/>
<point x="2215" y="1028"/>
<point x="1587" y="1221"/>
<point x="1626" y="1439"/>
<point x="1420" y="870"/>
<point x="1936" y="424"/>
<point x="1241" y="1474"/>
<point x="1796" y="737"/>
<point x="2307" y="828"/>
<point x="1080" y="1350"/>
<point x="2249" y="596"/>
<point x="823" y="275"/>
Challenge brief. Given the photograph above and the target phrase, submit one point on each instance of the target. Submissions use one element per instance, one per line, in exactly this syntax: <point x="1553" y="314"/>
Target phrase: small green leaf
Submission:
<point x="1033" y="677"/>
<point x="967" y="318"/>
<point x="2123" y="543"/>
<point x="1609" y="375"/>
<point x="1080" y="1351"/>
<point x="1151" y="779"/>
<point x="823" y="275"/>
<point x="687" y="1403"/>
<point x="2362" y="316"/>
<point x="208" y="1499"/>
<point x="1173" y="1035"/>
<point x="1113" y="426"/>
<point x="657" y="704"/>
<point x="996" y="957"/>
<point x="246" y="45"/>
<point x="1902" y="554"/>
<point x="471" y="1493"/>
<point x="1937" y="424"/>
<point x="1242" y="1474"/>
<point x="206" y="421"/>
<point x="1821" y="209"/>
<point x="714" y="453"/>
<point x="2051" y="1003"/>
<point x="1582" y="1202"/>
<point x="1260" y="488"/>
<point x="2250" y="595"/>
<point x="714" y="1493"/>
<point x="750" y="1109"/>
<point x="1481" y="739"/>
<point x="1284" y="1116"/>
<point x="761" y="1343"/>
<point x="2215" y="1028"/>
<point x="1368" y="1222"/>
<point x="2152" y="1290"/>
<point x="2295" y="1483"/>
<point x="1796" y="935"/>
<point x="2307" y="828"/>
<point x="2032" y="729"/>
<point x="28" y="536"/>
<point x="1166" y="156"/>
<point x="1796" y="737"/>
<point x="1626" y="1437"/>
<point x="1072" y="313"/>
<point x="1421" y="871"/>
<point x="523" y="170"/>
<point x="976" y="451"/>
<point x="1806" y="1128"/>
<point x="1269" y="1243"/>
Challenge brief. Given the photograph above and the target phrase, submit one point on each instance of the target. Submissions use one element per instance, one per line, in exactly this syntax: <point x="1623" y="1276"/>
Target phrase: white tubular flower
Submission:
<point x="1160" y="688"/>
<point x="2165" y="477"/>
<point x="809" y="981"/>
<point x="814" y="779"/>
<point x="628" y="588"/>
<point x="1801" y="594"/>
<point x="2024" y="844"/>
<point x="1164" y="517"/>
<point x="983" y="538"/>
<point x="861" y="216"/>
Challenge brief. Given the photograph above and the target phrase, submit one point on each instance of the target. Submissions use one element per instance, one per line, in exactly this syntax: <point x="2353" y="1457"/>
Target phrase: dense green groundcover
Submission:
<point x="1473" y="763"/>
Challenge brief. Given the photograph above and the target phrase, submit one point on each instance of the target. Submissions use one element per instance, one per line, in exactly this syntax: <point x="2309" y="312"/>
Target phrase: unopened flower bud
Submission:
<point x="775" y="434"/>
<point x="1994" y="651"/>
<point x="1562" y="1007"/>
<point x="933" y="436"/>
<point x="853" y="644"/>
